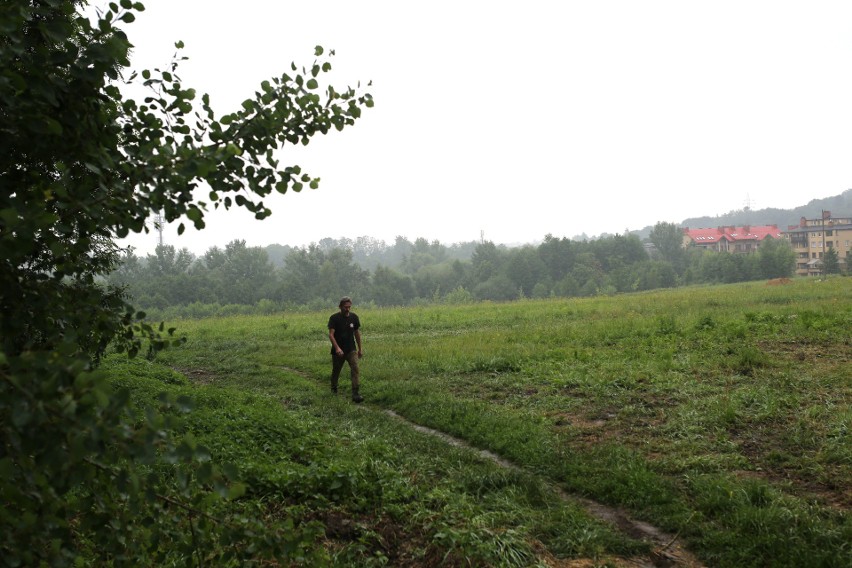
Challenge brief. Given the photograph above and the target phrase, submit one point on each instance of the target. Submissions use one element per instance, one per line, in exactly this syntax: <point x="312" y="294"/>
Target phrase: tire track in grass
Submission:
<point x="667" y="550"/>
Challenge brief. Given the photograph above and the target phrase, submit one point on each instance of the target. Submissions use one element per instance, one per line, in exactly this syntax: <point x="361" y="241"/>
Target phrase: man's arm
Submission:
<point x="337" y="348"/>
<point x="358" y="341"/>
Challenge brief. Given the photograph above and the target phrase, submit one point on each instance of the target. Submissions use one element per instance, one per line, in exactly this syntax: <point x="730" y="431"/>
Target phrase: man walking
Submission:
<point x="344" y="331"/>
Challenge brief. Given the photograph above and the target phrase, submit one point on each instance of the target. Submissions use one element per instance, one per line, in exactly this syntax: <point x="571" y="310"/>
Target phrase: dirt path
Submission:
<point x="667" y="550"/>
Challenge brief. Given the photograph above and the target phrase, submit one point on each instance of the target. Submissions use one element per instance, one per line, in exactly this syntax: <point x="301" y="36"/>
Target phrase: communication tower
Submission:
<point x="158" y="226"/>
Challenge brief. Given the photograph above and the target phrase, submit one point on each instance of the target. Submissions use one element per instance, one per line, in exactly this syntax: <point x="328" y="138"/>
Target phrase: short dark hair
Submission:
<point x="343" y="300"/>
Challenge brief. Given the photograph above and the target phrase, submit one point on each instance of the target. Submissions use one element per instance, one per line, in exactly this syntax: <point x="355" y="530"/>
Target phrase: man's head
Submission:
<point x="345" y="304"/>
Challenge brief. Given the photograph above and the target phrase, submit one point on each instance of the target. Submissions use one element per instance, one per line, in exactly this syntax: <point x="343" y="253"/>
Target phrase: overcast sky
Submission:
<point x="519" y="119"/>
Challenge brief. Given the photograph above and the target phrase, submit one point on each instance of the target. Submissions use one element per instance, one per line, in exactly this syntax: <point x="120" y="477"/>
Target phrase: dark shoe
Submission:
<point x="357" y="397"/>
<point x="333" y="390"/>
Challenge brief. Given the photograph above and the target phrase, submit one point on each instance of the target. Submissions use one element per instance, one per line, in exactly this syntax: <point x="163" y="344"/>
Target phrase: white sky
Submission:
<point x="519" y="119"/>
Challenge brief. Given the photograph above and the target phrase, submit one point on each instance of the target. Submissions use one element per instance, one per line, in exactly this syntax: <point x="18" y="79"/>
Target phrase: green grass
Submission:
<point x="720" y="413"/>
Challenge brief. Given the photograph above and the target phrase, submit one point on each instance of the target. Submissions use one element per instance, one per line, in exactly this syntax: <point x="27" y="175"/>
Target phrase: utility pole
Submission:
<point x="822" y="257"/>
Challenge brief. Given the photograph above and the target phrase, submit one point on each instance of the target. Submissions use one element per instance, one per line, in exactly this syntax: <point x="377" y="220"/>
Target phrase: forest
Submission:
<point x="238" y="277"/>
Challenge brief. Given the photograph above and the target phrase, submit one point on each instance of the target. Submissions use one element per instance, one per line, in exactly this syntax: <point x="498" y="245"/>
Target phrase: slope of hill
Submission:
<point x="839" y="205"/>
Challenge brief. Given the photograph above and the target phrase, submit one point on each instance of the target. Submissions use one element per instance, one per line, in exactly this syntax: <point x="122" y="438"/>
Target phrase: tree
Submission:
<point x="301" y="275"/>
<point x="80" y="165"/>
<point x="588" y="274"/>
<point x="618" y="250"/>
<point x="246" y="276"/>
<point x="830" y="261"/>
<point x="498" y="288"/>
<point x="390" y="288"/>
<point x="654" y="274"/>
<point x="423" y="254"/>
<point x="438" y="279"/>
<point x="776" y="258"/>
<point x="668" y="240"/>
<point x="487" y="260"/>
<point x="558" y="255"/>
<point x="340" y="276"/>
<point x="525" y="268"/>
<point x="727" y="268"/>
<point x="314" y="274"/>
<point x="164" y="279"/>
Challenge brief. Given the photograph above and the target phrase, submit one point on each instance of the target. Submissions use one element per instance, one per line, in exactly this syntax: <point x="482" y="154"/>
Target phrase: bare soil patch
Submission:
<point x="198" y="376"/>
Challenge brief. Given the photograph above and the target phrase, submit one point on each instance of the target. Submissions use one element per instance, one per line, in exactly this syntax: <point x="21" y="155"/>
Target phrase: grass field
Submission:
<point x="718" y="414"/>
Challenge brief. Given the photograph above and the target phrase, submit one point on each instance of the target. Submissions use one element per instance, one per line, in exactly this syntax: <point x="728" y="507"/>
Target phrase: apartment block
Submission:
<point x="811" y="238"/>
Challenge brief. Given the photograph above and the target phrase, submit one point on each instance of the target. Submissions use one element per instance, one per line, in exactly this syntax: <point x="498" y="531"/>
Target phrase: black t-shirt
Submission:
<point x="344" y="330"/>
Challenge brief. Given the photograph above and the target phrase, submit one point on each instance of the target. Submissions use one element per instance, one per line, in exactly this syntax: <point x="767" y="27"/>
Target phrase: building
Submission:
<point x="811" y="238"/>
<point x="742" y="240"/>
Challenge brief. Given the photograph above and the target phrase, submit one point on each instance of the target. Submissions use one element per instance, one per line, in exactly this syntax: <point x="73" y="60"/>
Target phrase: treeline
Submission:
<point x="239" y="278"/>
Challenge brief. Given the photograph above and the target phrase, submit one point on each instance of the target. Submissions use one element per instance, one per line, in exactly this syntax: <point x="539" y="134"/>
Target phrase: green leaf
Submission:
<point x="7" y="468"/>
<point x="318" y="50"/>
<point x="194" y="214"/>
<point x="312" y="84"/>
<point x="237" y="490"/>
<point x="128" y="17"/>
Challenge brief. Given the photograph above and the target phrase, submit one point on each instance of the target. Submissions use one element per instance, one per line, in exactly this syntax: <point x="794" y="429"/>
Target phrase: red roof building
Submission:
<point x="745" y="239"/>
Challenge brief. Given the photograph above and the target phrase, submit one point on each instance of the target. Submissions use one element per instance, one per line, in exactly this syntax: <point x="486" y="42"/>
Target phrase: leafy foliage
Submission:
<point x="80" y="165"/>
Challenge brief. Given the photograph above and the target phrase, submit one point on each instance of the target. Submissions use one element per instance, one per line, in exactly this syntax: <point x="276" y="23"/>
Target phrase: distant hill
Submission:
<point x="839" y="205"/>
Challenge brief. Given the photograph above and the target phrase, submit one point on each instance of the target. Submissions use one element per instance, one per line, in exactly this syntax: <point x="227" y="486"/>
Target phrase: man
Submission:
<point x="344" y="331"/>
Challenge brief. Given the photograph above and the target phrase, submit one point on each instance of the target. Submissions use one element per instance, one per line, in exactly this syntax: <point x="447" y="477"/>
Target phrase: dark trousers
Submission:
<point x="337" y="366"/>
